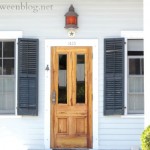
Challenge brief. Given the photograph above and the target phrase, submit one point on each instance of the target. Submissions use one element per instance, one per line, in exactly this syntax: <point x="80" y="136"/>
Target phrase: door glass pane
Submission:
<point x="8" y="49"/>
<point x="62" y="79"/>
<point x="80" y="81"/>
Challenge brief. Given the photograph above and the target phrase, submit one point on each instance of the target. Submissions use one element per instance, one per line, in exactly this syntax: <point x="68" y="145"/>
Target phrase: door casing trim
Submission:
<point x="70" y="42"/>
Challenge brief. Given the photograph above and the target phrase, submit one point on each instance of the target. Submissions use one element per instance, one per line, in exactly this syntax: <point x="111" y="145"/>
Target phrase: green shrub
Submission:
<point x="145" y="139"/>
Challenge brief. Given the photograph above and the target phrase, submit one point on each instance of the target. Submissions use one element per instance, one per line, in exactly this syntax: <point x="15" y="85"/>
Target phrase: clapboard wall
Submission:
<point x="97" y="19"/>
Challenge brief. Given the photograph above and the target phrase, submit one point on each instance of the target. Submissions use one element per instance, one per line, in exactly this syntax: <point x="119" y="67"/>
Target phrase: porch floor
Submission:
<point x="71" y="149"/>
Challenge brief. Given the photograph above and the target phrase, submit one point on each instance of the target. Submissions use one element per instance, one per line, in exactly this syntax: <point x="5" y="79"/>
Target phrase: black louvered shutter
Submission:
<point x="28" y="76"/>
<point x="114" y="76"/>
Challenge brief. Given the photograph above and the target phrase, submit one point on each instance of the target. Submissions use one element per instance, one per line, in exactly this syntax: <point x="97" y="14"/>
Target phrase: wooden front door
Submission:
<point x="71" y="97"/>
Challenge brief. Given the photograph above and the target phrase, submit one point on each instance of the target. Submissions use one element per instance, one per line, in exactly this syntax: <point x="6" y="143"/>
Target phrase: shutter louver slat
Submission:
<point x="114" y="76"/>
<point x="28" y="77"/>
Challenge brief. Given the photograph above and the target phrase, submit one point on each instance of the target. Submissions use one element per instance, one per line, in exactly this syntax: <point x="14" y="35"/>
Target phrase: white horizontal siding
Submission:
<point x="122" y="126"/>
<point x="120" y="120"/>
<point x="97" y="19"/>
<point x="21" y="133"/>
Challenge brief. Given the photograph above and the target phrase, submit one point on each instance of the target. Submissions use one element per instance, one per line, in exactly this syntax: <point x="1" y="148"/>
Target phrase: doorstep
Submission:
<point x="71" y="149"/>
<point x="66" y="149"/>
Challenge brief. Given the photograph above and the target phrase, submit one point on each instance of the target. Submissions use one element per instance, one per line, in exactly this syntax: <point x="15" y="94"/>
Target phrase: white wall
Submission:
<point x="97" y="19"/>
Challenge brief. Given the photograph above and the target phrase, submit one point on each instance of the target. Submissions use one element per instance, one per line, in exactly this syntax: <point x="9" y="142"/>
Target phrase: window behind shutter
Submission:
<point x="28" y="76"/>
<point x="114" y="76"/>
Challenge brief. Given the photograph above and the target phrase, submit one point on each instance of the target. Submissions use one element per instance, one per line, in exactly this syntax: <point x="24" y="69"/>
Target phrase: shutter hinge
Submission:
<point x="125" y="42"/>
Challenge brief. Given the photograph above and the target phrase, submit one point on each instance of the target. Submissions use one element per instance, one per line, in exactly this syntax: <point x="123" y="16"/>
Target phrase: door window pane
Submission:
<point x="62" y="79"/>
<point x="8" y="49"/>
<point x="80" y="81"/>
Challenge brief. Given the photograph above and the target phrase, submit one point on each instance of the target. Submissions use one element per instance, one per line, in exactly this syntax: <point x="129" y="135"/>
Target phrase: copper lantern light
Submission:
<point x="71" y="19"/>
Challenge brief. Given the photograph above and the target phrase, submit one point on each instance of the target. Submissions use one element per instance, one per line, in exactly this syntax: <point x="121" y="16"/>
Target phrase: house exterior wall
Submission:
<point x="97" y="20"/>
<point x="146" y="63"/>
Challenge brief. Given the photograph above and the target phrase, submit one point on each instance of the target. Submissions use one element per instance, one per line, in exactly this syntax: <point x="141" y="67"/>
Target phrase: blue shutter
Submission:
<point x="28" y="76"/>
<point x="114" y="76"/>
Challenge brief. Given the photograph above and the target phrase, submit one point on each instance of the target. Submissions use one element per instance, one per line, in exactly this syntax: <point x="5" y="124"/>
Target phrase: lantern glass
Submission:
<point x="71" y="20"/>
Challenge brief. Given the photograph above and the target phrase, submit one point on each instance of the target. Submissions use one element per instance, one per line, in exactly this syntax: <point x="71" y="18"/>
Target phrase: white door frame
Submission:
<point x="70" y="42"/>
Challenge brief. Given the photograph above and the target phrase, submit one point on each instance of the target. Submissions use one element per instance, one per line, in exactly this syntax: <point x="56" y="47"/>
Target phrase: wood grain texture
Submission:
<point x="71" y="123"/>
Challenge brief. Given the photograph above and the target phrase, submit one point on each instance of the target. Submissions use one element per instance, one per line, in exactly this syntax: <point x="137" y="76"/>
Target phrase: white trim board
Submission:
<point x="10" y="35"/>
<point x="71" y="42"/>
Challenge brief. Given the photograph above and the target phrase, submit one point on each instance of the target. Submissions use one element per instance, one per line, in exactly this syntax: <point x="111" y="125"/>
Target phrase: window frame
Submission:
<point x="129" y="35"/>
<point x="141" y="75"/>
<point x="12" y="36"/>
<point x="9" y="75"/>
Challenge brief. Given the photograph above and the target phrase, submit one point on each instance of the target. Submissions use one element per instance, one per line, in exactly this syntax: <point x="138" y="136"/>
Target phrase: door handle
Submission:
<point x="53" y="97"/>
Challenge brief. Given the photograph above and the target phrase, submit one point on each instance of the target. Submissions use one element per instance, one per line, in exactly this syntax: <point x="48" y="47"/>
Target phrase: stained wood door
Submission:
<point x="71" y="97"/>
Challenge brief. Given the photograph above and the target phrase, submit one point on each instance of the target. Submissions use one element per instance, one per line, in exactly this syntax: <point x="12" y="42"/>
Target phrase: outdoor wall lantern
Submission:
<point x="71" y="21"/>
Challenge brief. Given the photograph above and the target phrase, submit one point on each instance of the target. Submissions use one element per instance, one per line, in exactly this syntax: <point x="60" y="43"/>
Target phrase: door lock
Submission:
<point x="53" y="97"/>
